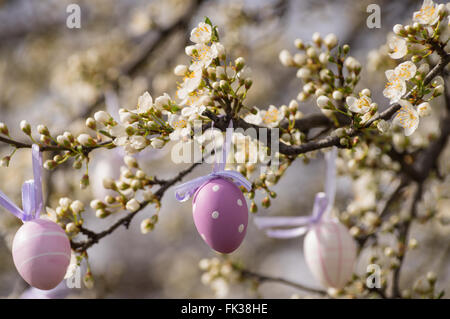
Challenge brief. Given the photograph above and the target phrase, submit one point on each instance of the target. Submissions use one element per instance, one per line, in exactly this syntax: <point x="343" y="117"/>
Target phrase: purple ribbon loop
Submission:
<point x="297" y="226"/>
<point x="32" y="200"/>
<point x="186" y="190"/>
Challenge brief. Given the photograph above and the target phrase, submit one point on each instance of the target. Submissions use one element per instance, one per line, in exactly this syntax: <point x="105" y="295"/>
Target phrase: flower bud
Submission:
<point x="293" y="106"/>
<point x="84" y="181"/>
<point x="62" y="140"/>
<point x="4" y="129"/>
<point x="366" y="92"/>
<point x="322" y="101"/>
<point x="337" y="95"/>
<point x="50" y="164"/>
<point x="147" y="226"/>
<point x="311" y="52"/>
<point x="132" y="205"/>
<point x="398" y="29"/>
<point x="299" y="59"/>
<point x="97" y="204"/>
<point x="299" y="44"/>
<point x="157" y="143"/>
<point x="108" y="183"/>
<point x="317" y="39"/>
<point x="4" y="162"/>
<point x="85" y="140"/>
<point x="91" y="123"/>
<point x="330" y="41"/>
<point x="304" y="73"/>
<point x="240" y="63"/>
<point x="102" y="117"/>
<point x="180" y="70"/>
<point x="101" y="213"/>
<point x="43" y="130"/>
<point x="25" y="127"/>
<point x="77" y="207"/>
<point x="286" y="58"/>
<point x="72" y="228"/>
<point x="65" y="202"/>
<point x="130" y="161"/>
<point x="438" y="90"/>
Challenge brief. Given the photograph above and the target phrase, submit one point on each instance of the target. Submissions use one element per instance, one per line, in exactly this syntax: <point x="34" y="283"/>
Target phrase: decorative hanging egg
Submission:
<point x="330" y="253"/>
<point x="220" y="214"/>
<point x="41" y="253"/>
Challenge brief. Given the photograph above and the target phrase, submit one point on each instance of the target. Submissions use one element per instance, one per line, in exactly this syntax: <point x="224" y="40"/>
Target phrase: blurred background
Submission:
<point x="53" y="75"/>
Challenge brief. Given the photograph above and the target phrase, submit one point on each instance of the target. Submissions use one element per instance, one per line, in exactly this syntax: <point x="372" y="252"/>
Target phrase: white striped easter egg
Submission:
<point x="330" y="253"/>
<point x="41" y="253"/>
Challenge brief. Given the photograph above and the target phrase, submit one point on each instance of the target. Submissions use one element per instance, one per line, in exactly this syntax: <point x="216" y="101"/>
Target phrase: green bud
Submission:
<point x="84" y="182"/>
<point x="253" y="207"/>
<point x="4" y="129"/>
<point x="266" y="202"/>
<point x="345" y="48"/>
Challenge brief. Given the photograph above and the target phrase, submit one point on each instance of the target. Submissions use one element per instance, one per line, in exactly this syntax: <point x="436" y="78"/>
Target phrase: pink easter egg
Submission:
<point x="220" y="214"/>
<point x="330" y="253"/>
<point x="41" y="253"/>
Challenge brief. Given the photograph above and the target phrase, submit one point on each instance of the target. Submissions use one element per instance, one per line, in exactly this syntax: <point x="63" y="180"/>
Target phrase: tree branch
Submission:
<point x="94" y="238"/>
<point x="263" y="278"/>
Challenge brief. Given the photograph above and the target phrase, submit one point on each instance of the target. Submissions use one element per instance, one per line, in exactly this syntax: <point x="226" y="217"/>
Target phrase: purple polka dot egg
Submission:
<point x="220" y="214"/>
<point x="41" y="253"/>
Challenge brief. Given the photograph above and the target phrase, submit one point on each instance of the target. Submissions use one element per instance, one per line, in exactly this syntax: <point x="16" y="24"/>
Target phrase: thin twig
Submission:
<point x="94" y="238"/>
<point x="264" y="278"/>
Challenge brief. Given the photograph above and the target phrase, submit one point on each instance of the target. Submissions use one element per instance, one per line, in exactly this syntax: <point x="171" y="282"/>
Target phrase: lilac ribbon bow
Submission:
<point x="323" y="204"/>
<point x="32" y="200"/>
<point x="186" y="190"/>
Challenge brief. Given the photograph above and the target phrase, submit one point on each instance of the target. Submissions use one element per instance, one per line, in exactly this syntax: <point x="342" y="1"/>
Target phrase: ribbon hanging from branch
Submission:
<point x="186" y="190"/>
<point x="32" y="201"/>
<point x="323" y="203"/>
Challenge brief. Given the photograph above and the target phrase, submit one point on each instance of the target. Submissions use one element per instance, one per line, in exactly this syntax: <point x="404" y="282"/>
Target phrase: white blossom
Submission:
<point x="182" y="128"/>
<point x="191" y="82"/>
<point x="395" y="87"/>
<point x="201" y="33"/>
<point x="162" y="101"/>
<point x="254" y="118"/>
<point x="192" y="112"/>
<point x="398" y="48"/>
<point x="145" y="103"/>
<point x="203" y="56"/>
<point x="428" y="13"/>
<point x="272" y="116"/>
<point x="424" y="109"/>
<point x="407" y="117"/>
<point x="361" y="105"/>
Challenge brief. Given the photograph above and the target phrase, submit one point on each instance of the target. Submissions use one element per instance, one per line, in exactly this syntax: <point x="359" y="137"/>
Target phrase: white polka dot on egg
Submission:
<point x="241" y="228"/>
<point x="215" y="214"/>
<point x="216" y="188"/>
<point x="239" y="202"/>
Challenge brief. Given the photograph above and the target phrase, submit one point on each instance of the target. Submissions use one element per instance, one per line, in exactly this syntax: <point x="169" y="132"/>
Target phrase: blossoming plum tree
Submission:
<point x="213" y="89"/>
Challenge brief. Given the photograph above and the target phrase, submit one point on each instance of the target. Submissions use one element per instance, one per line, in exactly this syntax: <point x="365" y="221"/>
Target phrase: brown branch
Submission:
<point x="264" y="278"/>
<point x="404" y="229"/>
<point x="94" y="238"/>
